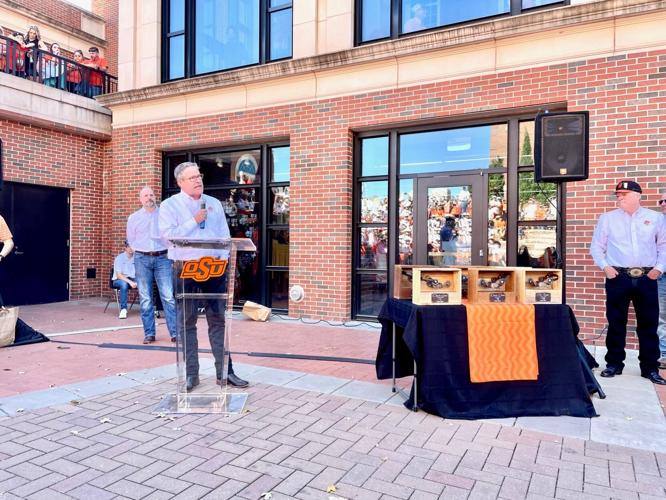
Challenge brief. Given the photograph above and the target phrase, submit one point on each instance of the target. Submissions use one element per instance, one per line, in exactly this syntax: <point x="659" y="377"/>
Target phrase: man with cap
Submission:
<point x="629" y="245"/>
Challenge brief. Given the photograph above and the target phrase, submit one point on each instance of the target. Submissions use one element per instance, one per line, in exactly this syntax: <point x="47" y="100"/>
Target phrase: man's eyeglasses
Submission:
<point x="194" y="178"/>
<point x="661" y="202"/>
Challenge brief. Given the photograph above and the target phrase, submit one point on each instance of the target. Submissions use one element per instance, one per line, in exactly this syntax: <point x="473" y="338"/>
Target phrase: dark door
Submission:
<point x="450" y="222"/>
<point x="37" y="271"/>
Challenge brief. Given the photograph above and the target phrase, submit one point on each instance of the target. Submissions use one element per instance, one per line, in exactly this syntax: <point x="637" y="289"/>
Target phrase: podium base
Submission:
<point x="230" y="403"/>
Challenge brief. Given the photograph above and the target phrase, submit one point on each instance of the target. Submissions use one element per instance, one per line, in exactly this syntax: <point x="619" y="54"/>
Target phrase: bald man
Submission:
<point x="152" y="264"/>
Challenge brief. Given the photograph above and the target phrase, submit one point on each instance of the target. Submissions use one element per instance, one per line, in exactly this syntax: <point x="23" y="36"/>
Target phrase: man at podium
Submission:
<point x="192" y="214"/>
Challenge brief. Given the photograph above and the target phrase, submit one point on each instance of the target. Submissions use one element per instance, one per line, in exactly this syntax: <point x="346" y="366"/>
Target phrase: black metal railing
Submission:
<point x="54" y="71"/>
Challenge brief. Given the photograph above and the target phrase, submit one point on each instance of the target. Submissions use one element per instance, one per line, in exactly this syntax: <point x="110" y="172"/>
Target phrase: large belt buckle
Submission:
<point x="635" y="272"/>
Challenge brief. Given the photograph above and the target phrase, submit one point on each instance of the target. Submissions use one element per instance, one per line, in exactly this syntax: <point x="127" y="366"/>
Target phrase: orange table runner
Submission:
<point x="502" y="342"/>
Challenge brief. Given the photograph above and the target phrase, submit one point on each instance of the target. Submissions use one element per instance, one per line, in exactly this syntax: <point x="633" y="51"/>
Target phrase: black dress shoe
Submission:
<point x="236" y="381"/>
<point x="173" y="339"/>
<point x="655" y="378"/>
<point x="611" y="371"/>
<point x="191" y="382"/>
<point x="149" y="339"/>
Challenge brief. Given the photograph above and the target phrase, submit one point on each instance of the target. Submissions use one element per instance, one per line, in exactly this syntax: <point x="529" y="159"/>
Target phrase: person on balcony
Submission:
<point x="99" y="68"/>
<point x="34" y="44"/>
<point x="53" y="68"/>
<point x="75" y="81"/>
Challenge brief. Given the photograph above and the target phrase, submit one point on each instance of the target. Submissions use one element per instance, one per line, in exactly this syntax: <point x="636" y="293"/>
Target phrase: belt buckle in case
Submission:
<point x="635" y="272"/>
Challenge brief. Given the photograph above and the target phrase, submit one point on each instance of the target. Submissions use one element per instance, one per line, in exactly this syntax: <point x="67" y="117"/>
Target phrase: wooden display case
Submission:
<point x="402" y="281"/>
<point x="540" y="286"/>
<point x="493" y="285"/>
<point x="436" y="286"/>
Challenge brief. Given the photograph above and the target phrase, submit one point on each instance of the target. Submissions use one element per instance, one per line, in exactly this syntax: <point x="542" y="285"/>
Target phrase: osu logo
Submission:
<point x="204" y="268"/>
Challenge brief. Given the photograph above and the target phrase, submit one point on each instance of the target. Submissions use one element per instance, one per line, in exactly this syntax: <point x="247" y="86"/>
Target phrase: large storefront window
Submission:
<point x="449" y="196"/>
<point x="238" y="178"/>
<point x="381" y="19"/>
<point x="206" y="36"/>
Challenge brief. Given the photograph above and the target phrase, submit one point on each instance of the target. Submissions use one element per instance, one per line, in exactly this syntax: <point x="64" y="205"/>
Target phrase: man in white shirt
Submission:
<point x="661" y="286"/>
<point x="123" y="277"/>
<point x="629" y="245"/>
<point x="152" y="264"/>
<point x="194" y="215"/>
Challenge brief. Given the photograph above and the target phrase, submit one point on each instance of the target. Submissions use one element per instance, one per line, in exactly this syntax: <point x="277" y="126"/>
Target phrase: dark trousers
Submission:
<point x="186" y="321"/>
<point x="620" y="291"/>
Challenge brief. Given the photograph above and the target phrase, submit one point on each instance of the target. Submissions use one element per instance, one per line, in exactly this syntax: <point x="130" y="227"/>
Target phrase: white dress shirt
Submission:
<point x="142" y="232"/>
<point x="125" y="265"/>
<point x="176" y="220"/>
<point x="624" y="240"/>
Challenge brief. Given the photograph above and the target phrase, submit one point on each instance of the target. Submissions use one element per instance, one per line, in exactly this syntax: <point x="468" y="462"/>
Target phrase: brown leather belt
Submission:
<point x="634" y="272"/>
<point x="152" y="254"/>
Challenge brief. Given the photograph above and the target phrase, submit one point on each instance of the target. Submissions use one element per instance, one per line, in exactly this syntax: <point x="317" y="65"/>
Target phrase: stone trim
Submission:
<point x="476" y="33"/>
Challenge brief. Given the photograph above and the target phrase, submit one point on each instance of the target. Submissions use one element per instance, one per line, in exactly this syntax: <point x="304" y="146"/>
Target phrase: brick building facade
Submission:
<point x="607" y="57"/>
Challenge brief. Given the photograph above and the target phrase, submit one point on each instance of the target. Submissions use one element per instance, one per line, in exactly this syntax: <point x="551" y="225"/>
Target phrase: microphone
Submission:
<point x="202" y="224"/>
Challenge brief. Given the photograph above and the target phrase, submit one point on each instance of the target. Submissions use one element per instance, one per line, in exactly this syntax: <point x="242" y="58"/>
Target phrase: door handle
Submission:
<point x="481" y="253"/>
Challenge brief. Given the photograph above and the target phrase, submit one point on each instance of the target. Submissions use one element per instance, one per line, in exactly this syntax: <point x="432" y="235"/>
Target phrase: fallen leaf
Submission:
<point x="76" y="433"/>
<point x="75" y="402"/>
<point x="331" y="488"/>
<point x="104" y="420"/>
<point x="62" y="347"/>
<point x="266" y="496"/>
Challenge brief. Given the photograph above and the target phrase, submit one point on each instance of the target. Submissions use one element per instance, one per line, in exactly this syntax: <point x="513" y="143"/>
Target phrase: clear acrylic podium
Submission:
<point x="204" y="273"/>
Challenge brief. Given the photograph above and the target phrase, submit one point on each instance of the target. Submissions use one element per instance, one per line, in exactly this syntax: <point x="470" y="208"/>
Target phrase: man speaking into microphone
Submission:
<point x="192" y="214"/>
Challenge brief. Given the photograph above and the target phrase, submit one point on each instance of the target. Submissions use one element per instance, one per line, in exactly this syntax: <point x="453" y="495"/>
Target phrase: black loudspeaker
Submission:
<point x="561" y="151"/>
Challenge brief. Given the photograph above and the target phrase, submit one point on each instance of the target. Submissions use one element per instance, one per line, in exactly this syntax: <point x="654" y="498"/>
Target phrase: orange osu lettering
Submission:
<point x="203" y="269"/>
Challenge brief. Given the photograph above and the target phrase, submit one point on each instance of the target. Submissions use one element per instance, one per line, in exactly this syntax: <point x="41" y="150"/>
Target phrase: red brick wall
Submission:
<point x="50" y="158"/>
<point x="625" y="95"/>
<point x="108" y="10"/>
<point x="62" y="12"/>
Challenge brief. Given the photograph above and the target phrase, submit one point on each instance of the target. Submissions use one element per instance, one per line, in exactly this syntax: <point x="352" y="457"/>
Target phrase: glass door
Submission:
<point x="449" y="221"/>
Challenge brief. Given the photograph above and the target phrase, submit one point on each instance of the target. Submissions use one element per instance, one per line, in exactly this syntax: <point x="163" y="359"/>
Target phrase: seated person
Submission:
<point x="123" y="277"/>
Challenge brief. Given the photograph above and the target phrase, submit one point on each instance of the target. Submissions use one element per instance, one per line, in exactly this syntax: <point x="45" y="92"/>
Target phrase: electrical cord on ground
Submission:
<point x="346" y="324"/>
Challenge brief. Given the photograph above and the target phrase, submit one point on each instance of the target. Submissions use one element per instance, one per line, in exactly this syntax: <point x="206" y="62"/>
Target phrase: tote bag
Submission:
<point x="8" y="319"/>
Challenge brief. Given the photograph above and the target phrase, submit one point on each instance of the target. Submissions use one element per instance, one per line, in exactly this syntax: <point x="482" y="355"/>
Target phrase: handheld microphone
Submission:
<point x="202" y="224"/>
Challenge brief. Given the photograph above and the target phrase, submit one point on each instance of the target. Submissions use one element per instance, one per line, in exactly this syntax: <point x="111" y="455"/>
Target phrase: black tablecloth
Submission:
<point x="436" y="337"/>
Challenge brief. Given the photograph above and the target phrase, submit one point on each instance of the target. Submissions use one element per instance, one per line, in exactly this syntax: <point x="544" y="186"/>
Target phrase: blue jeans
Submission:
<point x="158" y="268"/>
<point x="123" y="291"/>
<point x="661" y="329"/>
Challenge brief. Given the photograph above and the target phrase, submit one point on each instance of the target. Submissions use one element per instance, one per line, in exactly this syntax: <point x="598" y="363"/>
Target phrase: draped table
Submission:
<point x="433" y="339"/>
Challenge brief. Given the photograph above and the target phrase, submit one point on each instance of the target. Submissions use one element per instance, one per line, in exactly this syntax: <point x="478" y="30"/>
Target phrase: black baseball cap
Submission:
<point x="628" y="186"/>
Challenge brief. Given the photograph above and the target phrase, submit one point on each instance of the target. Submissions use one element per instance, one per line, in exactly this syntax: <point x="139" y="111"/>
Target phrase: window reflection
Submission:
<point x="226" y="34"/>
<point x="374" y="201"/>
<point x="242" y="210"/>
<point x="526" y="134"/>
<point x="449" y="225"/>
<point x="537" y="246"/>
<point x="280" y="44"/>
<point x="455" y="149"/>
<point x="528" y="4"/>
<point x="176" y="57"/>
<point x="372" y="289"/>
<point x="280" y="158"/>
<point x="423" y="14"/>
<point x="279" y="289"/>
<point x="374" y="156"/>
<point x="233" y="167"/>
<point x="497" y="220"/>
<point x="537" y="201"/>
<point x="376" y="21"/>
<point x="280" y="205"/>
<point x="176" y="15"/>
<point x="279" y="247"/>
<point x="406" y="222"/>
<point x="373" y="248"/>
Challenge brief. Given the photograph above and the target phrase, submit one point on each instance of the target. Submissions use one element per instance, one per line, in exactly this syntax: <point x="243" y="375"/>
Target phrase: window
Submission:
<point x="238" y="178"/>
<point x="380" y="19"/>
<point x="207" y="36"/>
<point x="504" y="219"/>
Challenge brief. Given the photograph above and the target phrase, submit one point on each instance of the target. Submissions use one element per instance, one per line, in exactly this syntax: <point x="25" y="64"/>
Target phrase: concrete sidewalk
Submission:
<point x="82" y="426"/>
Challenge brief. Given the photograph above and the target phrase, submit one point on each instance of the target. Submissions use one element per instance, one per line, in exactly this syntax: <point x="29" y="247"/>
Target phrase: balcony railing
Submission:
<point x="53" y="71"/>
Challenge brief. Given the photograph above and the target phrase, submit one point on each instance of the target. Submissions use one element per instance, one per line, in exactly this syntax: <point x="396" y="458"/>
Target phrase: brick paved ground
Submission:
<point x="296" y="444"/>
